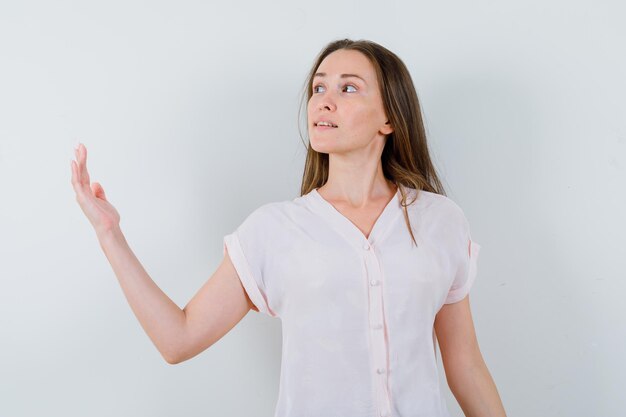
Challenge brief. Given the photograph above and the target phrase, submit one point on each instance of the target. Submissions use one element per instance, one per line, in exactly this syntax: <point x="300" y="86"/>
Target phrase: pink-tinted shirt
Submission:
<point x="357" y="313"/>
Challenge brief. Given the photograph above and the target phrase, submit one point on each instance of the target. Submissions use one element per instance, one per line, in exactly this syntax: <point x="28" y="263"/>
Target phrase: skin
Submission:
<point x="356" y="187"/>
<point x="356" y="184"/>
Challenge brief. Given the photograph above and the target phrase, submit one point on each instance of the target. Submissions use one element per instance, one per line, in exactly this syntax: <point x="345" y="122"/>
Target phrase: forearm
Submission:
<point x="160" y="317"/>
<point x="474" y="389"/>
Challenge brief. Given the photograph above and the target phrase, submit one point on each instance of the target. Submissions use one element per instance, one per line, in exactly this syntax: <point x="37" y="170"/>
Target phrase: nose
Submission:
<point x="326" y="102"/>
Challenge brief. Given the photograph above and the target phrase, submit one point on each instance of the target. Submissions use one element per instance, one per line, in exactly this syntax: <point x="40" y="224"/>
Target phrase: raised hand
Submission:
<point x="90" y="196"/>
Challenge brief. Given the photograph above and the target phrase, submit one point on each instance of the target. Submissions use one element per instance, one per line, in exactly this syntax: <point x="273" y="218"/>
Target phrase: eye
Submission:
<point x="350" y="86"/>
<point x="315" y="88"/>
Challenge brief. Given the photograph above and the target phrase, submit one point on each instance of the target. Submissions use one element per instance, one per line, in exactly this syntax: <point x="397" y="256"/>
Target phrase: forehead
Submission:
<point x="344" y="61"/>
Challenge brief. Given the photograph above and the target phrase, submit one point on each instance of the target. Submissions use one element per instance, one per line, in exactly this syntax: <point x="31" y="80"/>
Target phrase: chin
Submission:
<point x="320" y="149"/>
<point x="321" y="145"/>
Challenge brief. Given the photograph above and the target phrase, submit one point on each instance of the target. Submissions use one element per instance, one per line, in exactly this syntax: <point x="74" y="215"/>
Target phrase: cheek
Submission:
<point x="310" y="106"/>
<point x="366" y="116"/>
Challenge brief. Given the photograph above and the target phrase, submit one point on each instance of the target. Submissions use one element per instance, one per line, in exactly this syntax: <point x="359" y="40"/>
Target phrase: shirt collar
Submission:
<point x="348" y="229"/>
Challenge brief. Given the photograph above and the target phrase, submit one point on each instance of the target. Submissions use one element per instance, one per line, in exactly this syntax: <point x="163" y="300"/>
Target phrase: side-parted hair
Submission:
<point x="405" y="157"/>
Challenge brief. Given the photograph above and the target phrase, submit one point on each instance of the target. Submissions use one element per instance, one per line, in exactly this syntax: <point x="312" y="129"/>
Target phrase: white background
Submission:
<point x="189" y="113"/>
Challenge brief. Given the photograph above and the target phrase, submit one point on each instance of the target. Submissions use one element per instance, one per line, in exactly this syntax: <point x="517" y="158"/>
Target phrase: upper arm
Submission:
<point x="214" y="310"/>
<point x="456" y="336"/>
<point x="454" y="326"/>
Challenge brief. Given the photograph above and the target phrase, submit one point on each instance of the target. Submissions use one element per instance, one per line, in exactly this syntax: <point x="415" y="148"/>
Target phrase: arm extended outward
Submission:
<point x="178" y="334"/>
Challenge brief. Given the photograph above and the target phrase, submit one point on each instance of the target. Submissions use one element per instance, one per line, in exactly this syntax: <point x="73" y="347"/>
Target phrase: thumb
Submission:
<point x="98" y="191"/>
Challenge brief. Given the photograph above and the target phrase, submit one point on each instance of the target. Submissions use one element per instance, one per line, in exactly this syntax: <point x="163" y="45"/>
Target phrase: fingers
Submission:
<point x="77" y="164"/>
<point x="82" y="164"/>
<point x="78" y="187"/>
<point x="80" y="176"/>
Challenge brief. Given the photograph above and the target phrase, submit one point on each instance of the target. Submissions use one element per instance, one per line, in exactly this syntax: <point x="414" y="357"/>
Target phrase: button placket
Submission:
<point x="366" y="248"/>
<point x="376" y="322"/>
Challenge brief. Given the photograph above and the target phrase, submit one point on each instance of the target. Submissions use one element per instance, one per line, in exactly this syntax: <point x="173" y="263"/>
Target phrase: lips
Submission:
<point x="325" y="123"/>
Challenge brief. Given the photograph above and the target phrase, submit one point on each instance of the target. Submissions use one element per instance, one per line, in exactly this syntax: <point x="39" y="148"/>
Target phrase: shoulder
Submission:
<point x="438" y="211"/>
<point x="429" y="203"/>
<point x="449" y="208"/>
<point x="270" y="214"/>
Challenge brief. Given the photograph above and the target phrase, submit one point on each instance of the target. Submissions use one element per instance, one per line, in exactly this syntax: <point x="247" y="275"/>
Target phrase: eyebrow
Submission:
<point x="323" y="74"/>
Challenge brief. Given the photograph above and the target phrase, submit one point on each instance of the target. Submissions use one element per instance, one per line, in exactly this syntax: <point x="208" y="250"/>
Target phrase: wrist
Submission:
<point x="110" y="234"/>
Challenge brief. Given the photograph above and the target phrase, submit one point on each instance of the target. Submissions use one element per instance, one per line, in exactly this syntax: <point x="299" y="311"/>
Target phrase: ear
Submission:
<point x="386" y="128"/>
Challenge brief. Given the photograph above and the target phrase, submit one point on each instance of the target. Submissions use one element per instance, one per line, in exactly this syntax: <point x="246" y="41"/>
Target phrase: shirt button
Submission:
<point x="381" y="370"/>
<point x="374" y="282"/>
<point x="377" y="326"/>
<point x="366" y="246"/>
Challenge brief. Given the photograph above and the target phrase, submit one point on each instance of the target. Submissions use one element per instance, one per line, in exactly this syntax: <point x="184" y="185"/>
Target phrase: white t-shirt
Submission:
<point x="357" y="314"/>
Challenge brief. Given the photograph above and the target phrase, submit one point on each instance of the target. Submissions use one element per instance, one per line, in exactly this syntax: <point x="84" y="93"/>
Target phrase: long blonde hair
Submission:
<point x="405" y="157"/>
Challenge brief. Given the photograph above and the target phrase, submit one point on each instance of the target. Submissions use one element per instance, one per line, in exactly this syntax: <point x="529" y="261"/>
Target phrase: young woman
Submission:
<point x="366" y="269"/>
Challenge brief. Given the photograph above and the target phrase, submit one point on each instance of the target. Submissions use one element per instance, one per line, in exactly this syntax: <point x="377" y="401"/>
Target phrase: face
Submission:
<point x="346" y="93"/>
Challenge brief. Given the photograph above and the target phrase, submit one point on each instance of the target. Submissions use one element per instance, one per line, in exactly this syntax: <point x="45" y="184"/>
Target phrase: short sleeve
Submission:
<point x="247" y="250"/>
<point x="466" y="265"/>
